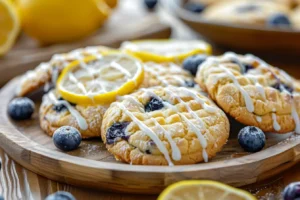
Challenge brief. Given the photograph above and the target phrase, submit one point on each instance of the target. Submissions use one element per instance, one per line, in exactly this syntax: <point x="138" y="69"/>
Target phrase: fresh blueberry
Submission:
<point x="150" y="4"/>
<point x="60" y="195"/>
<point x="117" y="130"/>
<point x="279" y="20"/>
<point x="21" y="108"/>
<point x="67" y="138"/>
<point x="194" y="7"/>
<point x="251" y="139"/>
<point x="282" y="87"/>
<point x="247" y="8"/>
<point x="189" y="83"/>
<point x="154" y="104"/>
<point x="148" y="151"/>
<point x="192" y="63"/>
<point x="292" y="191"/>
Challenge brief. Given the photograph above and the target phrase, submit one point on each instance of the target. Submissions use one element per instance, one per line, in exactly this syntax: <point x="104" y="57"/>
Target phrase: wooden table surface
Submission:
<point x="18" y="183"/>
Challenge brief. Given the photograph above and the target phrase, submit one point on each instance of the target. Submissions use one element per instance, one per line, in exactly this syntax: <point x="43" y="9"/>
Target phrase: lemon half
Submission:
<point x="165" y="50"/>
<point x="100" y="80"/>
<point x="201" y="190"/>
<point x="9" y="26"/>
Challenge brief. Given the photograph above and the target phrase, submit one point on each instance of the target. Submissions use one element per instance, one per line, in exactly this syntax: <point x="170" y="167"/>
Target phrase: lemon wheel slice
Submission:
<point x="100" y="80"/>
<point x="9" y="25"/>
<point x="165" y="50"/>
<point x="195" y="190"/>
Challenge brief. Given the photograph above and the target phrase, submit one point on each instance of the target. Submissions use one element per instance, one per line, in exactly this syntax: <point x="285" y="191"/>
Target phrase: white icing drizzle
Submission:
<point x="149" y="132"/>
<point x="295" y="117"/>
<point x="247" y="98"/>
<point x="275" y="123"/>
<point x="258" y="118"/>
<point x="258" y="86"/>
<point x="80" y="120"/>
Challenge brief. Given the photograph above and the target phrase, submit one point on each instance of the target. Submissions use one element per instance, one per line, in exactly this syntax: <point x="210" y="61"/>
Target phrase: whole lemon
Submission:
<point x="54" y="21"/>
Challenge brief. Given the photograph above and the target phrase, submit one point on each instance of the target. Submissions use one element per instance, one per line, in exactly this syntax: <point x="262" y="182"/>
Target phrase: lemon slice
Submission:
<point x="9" y="26"/>
<point x="100" y="80"/>
<point x="112" y="3"/>
<point x="165" y="50"/>
<point x="196" y="190"/>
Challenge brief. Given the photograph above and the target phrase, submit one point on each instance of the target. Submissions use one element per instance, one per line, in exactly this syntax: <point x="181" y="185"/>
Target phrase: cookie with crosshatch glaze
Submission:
<point x="164" y="126"/>
<point x="46" y="73"/>
<point x="252" y="91"/>
<point x="165" y="74"/>
<point x="55" y="112"/>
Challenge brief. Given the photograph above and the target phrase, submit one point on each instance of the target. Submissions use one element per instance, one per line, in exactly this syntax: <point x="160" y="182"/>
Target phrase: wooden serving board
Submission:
<point x="93" y="167"/>
<point x="130" y="20"/>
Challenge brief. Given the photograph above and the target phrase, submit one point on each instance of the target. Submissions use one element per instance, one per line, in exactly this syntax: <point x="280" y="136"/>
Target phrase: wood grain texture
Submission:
<point x="237" y="37"/>
<point x="29" y="146"/>
<point x="129" y="21"/>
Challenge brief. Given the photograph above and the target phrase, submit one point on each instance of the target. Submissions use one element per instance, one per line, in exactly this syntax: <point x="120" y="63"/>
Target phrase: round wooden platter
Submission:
<point x="92" y="166"/>
<point x="243" y="38"/>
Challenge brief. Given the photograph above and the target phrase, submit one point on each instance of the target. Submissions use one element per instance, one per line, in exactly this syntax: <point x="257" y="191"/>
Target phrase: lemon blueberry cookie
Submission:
<point x="252" y="91"/>
<point x="84" y="90"/>
<point x="249" y="12"/>
<point x="46" y="73"/>
<point x="164" y="126"/>
<point x="56" y="112"/>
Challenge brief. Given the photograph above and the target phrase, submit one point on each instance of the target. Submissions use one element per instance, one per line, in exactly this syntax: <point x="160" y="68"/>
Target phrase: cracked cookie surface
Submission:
<point x="252" y="91"/>
<point x="164" y="126"/>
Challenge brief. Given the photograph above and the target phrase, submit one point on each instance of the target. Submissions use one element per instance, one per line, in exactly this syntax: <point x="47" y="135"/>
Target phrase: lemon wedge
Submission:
<point x="196" y="190"/>
<point x="165" y="50"/>
<point x="9" y="26"/>
<point x="99" y="80"/>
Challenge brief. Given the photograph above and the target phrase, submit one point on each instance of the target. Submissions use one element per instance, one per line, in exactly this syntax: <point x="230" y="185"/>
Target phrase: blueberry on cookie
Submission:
<point x="192" y="63"/>
<point x="164" y="126"/>
<point x="279" y="20"/>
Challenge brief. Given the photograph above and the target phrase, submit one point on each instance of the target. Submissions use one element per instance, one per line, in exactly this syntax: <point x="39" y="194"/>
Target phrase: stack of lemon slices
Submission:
<point x="99" y="79"/>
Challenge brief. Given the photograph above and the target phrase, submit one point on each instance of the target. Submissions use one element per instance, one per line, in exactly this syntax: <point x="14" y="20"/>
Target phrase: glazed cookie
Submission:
<point x="164" y="126"/>
<point x="249" y="12"/>
<point x="56" y="112"/>
<point x="164" y="74"/>
<point x="252" y="91"/>
<point x="47" y="72"/>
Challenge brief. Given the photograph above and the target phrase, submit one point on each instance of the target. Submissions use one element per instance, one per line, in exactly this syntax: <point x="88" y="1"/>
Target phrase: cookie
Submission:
<point x="245" y="12"/>
<point x="164" y="126"/>
<point x="47" y="72"/>
<point x="295" y="17"/>
<point x="56" y="112"/>
<point x="165" y="74"/>
<point x="252" y="91"/>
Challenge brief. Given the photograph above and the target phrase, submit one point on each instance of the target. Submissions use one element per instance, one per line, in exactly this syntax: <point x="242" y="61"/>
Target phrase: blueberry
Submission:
<point x="279" y="20"/>
<point x="148" y="151"/>
<point x="21" y="108"/>
<point x="1" y="197"/>
<point x="189" y="83"/>
<point x="247" y="8"/>
<point x="154" y="104"/>
<point x="61" y="107"/>
<point x="192" y="63"/>
<point x="243" y="66"/>
<point x="60" y="195"/>
<point x="251" y="139"/>
<point x="67" y="138"/>
<point x="194" y="7"/>
<point x="150" y="4"/>
<point x="282" y="87"/>
<point x="292" y="191"/>
<point x="117" y="130"/>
